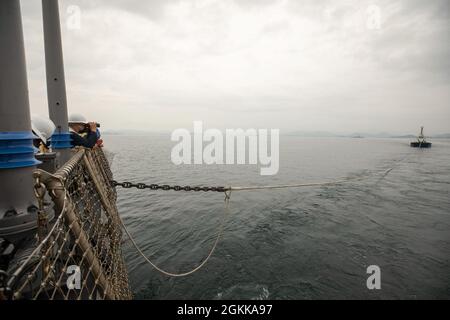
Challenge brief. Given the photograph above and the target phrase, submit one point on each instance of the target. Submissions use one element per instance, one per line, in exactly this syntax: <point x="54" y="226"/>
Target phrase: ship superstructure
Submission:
<point x="60" y="236"/>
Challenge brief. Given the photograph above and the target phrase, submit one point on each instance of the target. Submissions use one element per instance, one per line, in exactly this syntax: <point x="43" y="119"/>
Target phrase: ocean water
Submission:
<point x="305" y="243"/>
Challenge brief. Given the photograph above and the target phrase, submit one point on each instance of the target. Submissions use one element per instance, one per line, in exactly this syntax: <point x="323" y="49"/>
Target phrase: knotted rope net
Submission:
<point x="78" y="254"/>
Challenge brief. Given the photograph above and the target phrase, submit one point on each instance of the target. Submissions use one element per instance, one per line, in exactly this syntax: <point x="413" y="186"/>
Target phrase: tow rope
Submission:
<point x="227" y="191"/>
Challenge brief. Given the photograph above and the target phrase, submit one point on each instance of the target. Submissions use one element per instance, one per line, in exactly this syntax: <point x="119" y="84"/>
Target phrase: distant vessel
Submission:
<point x="421" y="142"/>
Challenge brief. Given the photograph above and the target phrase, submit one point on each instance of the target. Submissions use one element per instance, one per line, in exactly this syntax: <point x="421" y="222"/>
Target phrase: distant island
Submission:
<point x="305" y="134"/>
<point x="323" y="134"/>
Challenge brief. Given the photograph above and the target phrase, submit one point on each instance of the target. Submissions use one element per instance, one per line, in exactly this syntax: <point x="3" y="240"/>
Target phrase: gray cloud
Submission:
<point x="294" y="65"/>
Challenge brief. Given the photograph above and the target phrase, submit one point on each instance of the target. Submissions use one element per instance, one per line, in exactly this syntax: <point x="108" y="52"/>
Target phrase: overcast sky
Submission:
<point x="314" y="65"/>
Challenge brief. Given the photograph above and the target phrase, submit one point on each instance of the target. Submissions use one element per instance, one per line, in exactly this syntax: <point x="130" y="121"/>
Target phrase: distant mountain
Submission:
<point x="409" y="136"/>
<point x="312" y="134"/>
<point x="371" y="135"/>
<point x="325" y="134"/>
<point x="441" y="136"/>
<point x="306" y="134"/>
<point x="132" y="132"/>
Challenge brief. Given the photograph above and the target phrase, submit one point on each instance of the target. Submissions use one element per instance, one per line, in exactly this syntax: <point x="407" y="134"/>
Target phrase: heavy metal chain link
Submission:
<point x="165" y="187"/>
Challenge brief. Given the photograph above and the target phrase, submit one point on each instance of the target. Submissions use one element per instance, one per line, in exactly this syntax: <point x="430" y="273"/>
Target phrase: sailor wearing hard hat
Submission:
<point x="83" y="133"/>
<point x="43" y="128"/>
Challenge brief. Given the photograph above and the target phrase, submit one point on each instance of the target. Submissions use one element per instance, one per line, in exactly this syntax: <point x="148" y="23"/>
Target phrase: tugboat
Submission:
<point x="421" y="142"/>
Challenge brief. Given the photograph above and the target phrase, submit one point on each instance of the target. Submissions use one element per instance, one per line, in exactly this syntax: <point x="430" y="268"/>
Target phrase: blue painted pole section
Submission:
<point x="61" y="141"/>
<point x="18" y="210"/>
<point x="17" y="150"/>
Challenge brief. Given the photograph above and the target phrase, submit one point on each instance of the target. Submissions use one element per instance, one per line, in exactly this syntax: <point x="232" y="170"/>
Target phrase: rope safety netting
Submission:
<point x="78" y="254"/>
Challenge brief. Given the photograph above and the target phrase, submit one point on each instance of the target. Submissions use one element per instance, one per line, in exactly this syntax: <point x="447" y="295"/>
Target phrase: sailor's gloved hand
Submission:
<point x="93" y="126"/>
<point x="99" y="143"/>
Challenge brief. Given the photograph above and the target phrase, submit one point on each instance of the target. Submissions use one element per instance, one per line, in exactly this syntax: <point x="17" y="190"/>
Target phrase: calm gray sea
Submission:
<point x="308" y="243"/>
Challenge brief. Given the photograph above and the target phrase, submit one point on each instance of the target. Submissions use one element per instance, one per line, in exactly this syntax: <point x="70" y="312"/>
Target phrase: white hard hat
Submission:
<point x="42" y="127"/>
<point x="77" y="118"/>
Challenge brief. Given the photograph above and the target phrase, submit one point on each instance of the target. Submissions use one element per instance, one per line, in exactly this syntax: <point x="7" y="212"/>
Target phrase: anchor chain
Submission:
<point x="165" y="187"/>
